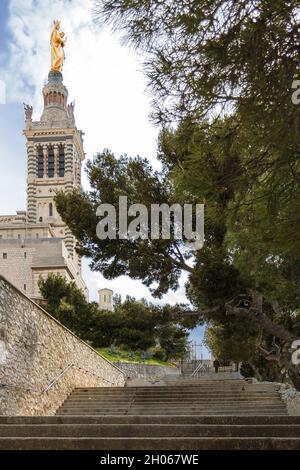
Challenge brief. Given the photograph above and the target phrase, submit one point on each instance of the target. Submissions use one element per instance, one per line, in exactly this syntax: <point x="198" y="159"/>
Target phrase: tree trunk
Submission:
<point x="255" y="313"/>
<point x="256" y="372"/>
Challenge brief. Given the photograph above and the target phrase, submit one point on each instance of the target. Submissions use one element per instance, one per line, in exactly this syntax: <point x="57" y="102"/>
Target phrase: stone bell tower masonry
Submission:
<point x="55" y="153"/>
<point x="36" y="243"/>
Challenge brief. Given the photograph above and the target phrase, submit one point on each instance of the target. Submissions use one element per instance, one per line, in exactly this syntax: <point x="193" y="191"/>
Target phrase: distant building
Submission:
<point x="106" y="299"/>
<point x="35" y="243"/>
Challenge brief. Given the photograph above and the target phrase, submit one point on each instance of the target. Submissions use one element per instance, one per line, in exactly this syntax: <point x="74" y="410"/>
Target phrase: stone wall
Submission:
<point x="34" y="350"/>
<point x="16" y="262"/>
<point x="292" y="399"/>
<point x="151" y="371"/>
<point x="24" y="261"/>
<point x="288" y="394"/>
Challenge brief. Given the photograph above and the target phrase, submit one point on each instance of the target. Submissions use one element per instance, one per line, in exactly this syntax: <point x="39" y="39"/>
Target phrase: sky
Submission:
<point x="112" y="104"/>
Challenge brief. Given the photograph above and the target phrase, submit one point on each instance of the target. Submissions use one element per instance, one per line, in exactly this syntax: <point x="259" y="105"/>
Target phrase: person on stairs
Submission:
<point x="216" y="365"/>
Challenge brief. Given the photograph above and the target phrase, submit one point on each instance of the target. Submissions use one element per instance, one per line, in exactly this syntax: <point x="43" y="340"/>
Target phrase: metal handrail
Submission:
<point x="200" y="368"/>
<point x="195" y="371"/>
<point x="54" y="381"/>
<point x="46" y="389"/>
<point x="96" y="375"/>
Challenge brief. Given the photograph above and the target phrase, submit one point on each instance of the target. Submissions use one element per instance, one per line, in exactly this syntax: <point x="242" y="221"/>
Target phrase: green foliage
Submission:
<point x="239" y="253"/>
<point x="121" y="355"/>
<point x="133" y="325"/>
<point x="237" y="341"/>
<point x="67" y="304"/>
<point x="110" y="178"/>
<point x="223" y="71"/>
<point x="173" y="342"/>
<point x="234" y="340"/>
<point x="246" y="370"/>
<point x="206" y="56"/>
<point x="159" y="354"/>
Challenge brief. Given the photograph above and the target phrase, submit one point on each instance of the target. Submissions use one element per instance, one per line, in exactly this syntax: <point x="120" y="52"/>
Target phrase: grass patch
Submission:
<point x="119" y="355"/>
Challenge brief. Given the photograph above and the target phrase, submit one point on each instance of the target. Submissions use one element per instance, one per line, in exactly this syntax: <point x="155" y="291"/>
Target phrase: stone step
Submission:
<point x="146" y="419"/>
<point x="216" y="381"/>
<point x="92" y="405"/>
<point x="187" y="398"/>
<point x="171" y="393"/>
<point x="178" y="395"/>
<point x="204" y="400"/>
<point x="163" y="398"/>
<point x="215" y="385"/>
<point x="151" y="443"/>
<point x="148" y="430"/>
<point x="170" y="386"/>
<point x="174" y="391"/>
<point x="195" y="393"/>
<point x="179" y="413"/>
<point x="186" y="389"/>
<point x="174" y="404"/>
<point x="180" y="385"/>
<point x="204" y="377"/>
<point x="183" y="411"/>
<point x="177" y="407"/>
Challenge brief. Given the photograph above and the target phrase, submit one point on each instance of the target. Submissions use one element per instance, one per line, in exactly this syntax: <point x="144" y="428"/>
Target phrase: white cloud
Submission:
<point x="126" y="286"/>
<point x="103" y="77"/>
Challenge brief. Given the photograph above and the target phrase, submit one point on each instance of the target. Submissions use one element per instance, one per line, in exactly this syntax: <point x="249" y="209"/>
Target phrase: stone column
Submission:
<point x="45" y="152"/>
<point x="56" y="157"/>
<point x="69" y="166"/>
<point x="69" y="185"/>
<point x="78" y="182"/>
<point x="31" y="187"/>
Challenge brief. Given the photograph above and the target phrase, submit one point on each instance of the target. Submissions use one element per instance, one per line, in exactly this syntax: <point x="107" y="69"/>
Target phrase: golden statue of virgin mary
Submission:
<point x="57" y="48"/>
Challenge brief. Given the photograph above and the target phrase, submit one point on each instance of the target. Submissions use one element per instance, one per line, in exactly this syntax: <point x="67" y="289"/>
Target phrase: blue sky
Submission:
<point x="3" y="18"/>
<point x="104" y="78"/>
<point x="11" y="126"/>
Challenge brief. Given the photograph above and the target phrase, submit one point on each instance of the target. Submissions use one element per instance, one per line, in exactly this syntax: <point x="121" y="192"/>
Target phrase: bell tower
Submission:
<point x="55" y="154"/>
<point x="37" y="243"/>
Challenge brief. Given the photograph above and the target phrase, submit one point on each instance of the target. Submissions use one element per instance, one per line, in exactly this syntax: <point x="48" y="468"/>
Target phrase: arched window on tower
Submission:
<point x="61" y="162"/>
<point x="40" y="163"/>
<point x="50" y="209"/>
<point x="50" y="162"/>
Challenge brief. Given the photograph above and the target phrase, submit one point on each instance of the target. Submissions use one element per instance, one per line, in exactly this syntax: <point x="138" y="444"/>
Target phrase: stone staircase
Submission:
<point x="189" y="379"/>
<point x="231" y="397"/>
<point x="203" y="415"/>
